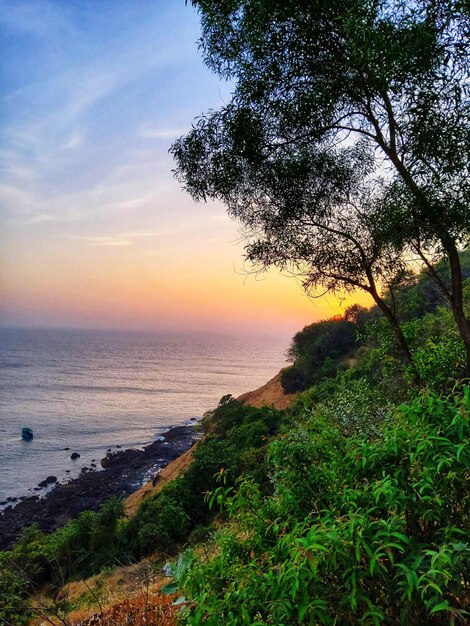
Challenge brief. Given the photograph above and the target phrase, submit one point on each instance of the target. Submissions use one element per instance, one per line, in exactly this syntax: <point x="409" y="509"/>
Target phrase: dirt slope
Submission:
<point x="270" y="394"/>
<point x="170" y="472"/>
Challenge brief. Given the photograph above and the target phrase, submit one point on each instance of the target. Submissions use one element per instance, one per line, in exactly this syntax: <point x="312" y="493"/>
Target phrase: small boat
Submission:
<point x="27" y="434"/>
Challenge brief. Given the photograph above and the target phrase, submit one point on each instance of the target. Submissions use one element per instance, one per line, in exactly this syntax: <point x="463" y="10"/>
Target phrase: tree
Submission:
<point x="347" y="134"/>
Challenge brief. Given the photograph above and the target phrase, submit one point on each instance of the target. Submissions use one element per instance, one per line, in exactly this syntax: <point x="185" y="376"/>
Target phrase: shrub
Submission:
<point x="358" y="530"/>
<point x="293" y="379"/>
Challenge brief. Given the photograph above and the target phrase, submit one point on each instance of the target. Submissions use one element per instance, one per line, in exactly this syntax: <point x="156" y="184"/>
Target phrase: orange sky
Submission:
<point x="129" y="280"/>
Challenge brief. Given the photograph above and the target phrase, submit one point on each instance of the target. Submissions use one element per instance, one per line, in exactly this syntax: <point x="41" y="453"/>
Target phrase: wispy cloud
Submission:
<point x="75" y="140"/>
<point x="164" y="133"/>
<point x="118" y="239"/>
<point x="105" y="241"/>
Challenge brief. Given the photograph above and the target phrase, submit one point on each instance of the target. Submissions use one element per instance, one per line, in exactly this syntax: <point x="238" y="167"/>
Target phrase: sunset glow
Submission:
<point x="95" y="230"/>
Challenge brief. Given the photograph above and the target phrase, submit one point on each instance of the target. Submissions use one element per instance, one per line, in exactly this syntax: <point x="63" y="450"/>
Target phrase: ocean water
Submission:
<point x="94" y="390"/>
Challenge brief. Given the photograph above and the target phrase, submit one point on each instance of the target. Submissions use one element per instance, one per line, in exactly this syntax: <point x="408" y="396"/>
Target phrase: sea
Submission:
<point x="91" y="391"/>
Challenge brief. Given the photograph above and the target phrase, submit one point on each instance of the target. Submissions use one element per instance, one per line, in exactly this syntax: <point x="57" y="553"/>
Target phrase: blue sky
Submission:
<point x="95" y="231"/>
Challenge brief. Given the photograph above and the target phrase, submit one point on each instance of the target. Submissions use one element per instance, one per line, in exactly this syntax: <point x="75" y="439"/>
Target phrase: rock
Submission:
<point x="74" y="456"/>
<point x="3" y="502"/>
<point x="47" y="481"/>
<point x="105" y="461"/>
<point x="65" y="448"/>
<point x="67" y="471"/>
<point x="90" y="489"/>
<point x="93" y="464"/>
<point x="12" y="499"/>
<point x="108" y="450"/>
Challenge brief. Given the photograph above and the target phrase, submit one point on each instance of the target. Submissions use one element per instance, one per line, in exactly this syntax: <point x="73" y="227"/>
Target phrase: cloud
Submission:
<point x="118" y="239"/>
<point x="164" y="133"/>
<point x="105" y="241"/>
<point x="40" y="18"/>
<point x="75" y="140"/>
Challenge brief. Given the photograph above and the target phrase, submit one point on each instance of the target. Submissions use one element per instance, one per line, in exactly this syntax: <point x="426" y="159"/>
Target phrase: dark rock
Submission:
<point x="67" y="471"/>
<point x="3" y="502"/>
<point x="118" y="446"/>
<point x="48" y="481"/>
<point x="108" y="450"/>
<point x="74" y="456"/>
<point x="93" y="464"/>
<point x="88" y="491"/>
<point x="105" y="461"/>
<point x="65" y="448"/>
<point x="11" y="499"/>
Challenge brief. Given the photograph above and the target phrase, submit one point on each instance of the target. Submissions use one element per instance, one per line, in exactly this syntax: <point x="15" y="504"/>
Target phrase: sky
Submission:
<point x="95" y="232"/>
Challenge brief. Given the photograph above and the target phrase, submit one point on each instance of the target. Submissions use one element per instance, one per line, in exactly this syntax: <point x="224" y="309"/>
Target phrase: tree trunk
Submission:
<point x="449" y="245"/>
<point x="462" y="322"/>
<point x="392" y="320"/>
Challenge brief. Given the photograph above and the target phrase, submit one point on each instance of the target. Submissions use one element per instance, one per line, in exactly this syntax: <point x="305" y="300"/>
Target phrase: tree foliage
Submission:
<point x="318" y="351"/>
<point x="345" y="143"/>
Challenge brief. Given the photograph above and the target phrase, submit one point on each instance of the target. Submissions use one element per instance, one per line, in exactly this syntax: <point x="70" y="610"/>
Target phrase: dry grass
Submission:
<point x="270" y="394"/>
<point x="132" y="587"/>
<point x="154" y="610"/>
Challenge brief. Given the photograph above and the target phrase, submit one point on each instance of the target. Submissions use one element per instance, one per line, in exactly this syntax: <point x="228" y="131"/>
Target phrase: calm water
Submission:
<point x="93" y="390"/>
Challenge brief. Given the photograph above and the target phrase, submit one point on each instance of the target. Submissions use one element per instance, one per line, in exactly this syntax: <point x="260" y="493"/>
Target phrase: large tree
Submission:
<point x="345" y="145"/>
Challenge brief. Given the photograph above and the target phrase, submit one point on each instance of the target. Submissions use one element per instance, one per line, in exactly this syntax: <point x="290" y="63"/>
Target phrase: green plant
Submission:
<point x="358" y="530"/>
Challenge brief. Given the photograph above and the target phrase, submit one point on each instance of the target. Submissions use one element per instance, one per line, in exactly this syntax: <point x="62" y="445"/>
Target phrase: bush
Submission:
<point x="319" y="349"/>
<point x="293" y="379"/>
<point x="358" y="530"/>
<point x="13" y="594"/>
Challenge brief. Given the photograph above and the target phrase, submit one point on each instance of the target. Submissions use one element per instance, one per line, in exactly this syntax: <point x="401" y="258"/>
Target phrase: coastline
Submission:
<point x="131" y="473"/>
<point x="123" y="473"/>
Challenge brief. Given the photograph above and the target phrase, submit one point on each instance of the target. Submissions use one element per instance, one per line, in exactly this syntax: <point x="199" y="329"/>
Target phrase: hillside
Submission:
<point x="170" y="472"/>
<point x="269" y="394"/>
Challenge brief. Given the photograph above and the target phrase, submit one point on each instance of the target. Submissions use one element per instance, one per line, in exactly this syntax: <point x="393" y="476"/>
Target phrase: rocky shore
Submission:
<point x="123" y="472"/>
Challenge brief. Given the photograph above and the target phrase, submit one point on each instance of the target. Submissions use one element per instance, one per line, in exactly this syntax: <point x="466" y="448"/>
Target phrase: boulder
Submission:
<point x="74" y="456"/>
<point x="48" y="481"/>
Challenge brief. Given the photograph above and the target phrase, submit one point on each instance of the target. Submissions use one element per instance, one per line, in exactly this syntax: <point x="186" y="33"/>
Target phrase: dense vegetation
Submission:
<point x="359" y="530"/>
<point x="323" y="349"/>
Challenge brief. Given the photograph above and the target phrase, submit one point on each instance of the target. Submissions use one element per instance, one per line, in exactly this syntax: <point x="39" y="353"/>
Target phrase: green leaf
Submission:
<point x="170" y="588"/>
<point x="442" y="606"/>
